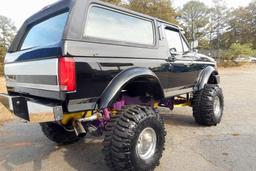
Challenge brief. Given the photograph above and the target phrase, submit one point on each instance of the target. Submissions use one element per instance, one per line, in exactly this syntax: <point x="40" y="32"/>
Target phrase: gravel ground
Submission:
<point x="228" y="146"/>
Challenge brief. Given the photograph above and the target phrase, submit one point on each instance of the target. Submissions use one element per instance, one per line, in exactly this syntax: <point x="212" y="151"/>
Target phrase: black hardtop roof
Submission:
<point x="62" y="5"/>
<point x="49" y="9"/>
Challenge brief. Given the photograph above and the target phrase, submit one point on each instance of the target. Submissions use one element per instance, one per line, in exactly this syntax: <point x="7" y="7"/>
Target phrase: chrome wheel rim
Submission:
<point x="217" y="107"/>
<point x="146" y="143"/>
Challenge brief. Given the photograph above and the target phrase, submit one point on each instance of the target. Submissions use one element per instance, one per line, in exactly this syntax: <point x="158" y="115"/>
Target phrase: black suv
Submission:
<point x="84" y="66"/>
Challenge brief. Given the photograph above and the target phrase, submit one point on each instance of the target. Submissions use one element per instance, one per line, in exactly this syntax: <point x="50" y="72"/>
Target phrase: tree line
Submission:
<point x="229" y="32"/>
<point x="222" y="32"/>
<point x="7" y="32"/>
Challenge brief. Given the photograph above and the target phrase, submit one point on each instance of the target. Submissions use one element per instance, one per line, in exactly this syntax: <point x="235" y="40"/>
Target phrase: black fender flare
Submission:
<point x="204" y="77"/>
<point x="122" y="79"/>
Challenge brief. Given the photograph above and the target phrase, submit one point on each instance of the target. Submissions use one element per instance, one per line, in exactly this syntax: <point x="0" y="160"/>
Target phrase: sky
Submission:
<point x="228" y="3"/>
<point x="19" y="10"/>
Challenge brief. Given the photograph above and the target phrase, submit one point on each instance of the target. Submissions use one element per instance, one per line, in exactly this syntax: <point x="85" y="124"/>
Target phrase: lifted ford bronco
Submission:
<point x="85" y="66"/>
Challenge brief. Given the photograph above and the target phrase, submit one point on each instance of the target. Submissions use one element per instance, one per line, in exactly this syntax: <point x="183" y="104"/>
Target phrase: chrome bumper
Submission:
<point x="31" y="111"/>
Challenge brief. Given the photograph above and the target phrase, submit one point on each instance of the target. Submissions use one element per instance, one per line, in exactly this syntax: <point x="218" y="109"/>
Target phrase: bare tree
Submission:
<point x="218" y="23"/>
<point x="7" y="31"/>
<point x="194" y="16"/>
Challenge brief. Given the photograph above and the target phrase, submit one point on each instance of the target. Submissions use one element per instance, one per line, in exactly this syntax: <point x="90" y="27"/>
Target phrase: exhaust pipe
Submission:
<point x="79" y="128"/>
<point x="94" y="117"/>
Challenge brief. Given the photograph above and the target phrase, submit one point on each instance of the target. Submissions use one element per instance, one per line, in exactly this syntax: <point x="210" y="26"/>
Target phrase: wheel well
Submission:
<point x="144" y="87"/>
<point x="213" y="78"/>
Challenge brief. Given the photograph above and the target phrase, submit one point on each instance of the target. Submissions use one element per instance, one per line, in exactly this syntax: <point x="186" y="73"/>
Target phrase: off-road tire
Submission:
<point x="203" y="105"/>
<point x="122" y="134"/>
<point x="107" y="143"/>
<point x="58" y="133"/>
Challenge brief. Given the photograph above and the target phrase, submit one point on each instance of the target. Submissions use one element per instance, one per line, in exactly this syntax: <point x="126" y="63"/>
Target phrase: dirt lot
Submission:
<point x="229" y="146"/>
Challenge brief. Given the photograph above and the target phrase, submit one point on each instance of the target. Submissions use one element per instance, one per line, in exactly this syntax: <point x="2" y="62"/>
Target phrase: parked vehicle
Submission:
<point x="85" y="66"/>
<point x="242" y="59"/>
<point x="245" y="59"/>
<point x="253" y="59"/>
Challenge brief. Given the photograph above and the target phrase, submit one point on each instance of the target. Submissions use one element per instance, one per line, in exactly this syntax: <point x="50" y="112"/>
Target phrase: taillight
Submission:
<point x="67" y="74"/>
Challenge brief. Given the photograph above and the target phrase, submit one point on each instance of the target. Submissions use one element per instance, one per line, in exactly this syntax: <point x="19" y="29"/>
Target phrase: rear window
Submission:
<point x="112" y="25"/>
<point x="45" y="33"/>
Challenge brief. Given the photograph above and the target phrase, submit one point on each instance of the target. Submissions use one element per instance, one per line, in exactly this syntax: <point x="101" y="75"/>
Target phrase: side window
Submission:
<point x="45" y="33"/>
<point x="112" y="25"/>
<point x="174" y="40"/>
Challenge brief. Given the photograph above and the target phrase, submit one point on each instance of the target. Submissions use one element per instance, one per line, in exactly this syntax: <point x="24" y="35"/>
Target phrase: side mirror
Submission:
<point x="194" y="44"/>
<point x="173" y="52"/>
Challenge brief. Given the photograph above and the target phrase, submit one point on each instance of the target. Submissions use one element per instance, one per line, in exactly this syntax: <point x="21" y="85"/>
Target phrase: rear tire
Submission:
<point x="135" y="139"/>
<point x="58" y="134"/>
<point x="208" y="105"/>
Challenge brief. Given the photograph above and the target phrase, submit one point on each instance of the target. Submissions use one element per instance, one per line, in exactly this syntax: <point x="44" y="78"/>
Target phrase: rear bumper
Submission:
<point x="30" y="110"/>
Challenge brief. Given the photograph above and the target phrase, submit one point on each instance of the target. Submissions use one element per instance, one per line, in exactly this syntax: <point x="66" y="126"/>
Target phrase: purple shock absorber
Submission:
<point x="125" y="100"/>
<point x="106" y="114"/>
<point x="119" y="104"/>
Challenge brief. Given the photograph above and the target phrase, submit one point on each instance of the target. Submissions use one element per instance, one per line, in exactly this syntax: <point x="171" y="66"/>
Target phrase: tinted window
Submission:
<point x="111" y="25"/>
<point x="174" y="40"/>
<point x="45" y="33"/>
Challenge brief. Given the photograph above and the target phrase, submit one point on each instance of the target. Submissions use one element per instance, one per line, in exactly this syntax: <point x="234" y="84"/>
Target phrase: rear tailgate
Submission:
<point x="34" y="78"/>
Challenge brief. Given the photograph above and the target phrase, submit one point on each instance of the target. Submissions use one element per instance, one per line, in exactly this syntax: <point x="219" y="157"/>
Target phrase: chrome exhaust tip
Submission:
<point x="79" y="128"/>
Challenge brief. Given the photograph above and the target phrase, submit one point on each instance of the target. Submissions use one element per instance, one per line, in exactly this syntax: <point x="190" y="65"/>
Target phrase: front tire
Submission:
<point x="208" y="105"/>
<point x="135" y="139"/>
<point x="58" y="133"/>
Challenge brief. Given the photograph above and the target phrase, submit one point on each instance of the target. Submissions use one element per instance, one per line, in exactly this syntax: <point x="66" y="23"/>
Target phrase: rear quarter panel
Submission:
<point x="98" y="62"/>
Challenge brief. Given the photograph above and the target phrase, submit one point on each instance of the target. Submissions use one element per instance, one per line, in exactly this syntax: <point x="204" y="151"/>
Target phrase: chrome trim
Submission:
<point x="146" y="144"/>
<point x="37" y="112"/>
<point x="193" y="62"/>
<point x="34" y="86"/>
<point x="6" y="101"/>
<point x="171" y="93"/>
<point x="82" y="104"/>
<point x="81" y="107"/>
<point x="217" y="107"/>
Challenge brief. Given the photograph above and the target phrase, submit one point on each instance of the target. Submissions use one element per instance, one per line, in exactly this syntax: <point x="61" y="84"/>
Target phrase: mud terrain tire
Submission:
<point x="208" y="105"/>
<point x="58" y="134"/>
<point x="125" y="135"/>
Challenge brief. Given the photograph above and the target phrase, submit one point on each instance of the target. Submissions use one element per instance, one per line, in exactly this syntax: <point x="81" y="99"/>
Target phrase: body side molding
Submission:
<point x="125" y="77"/>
